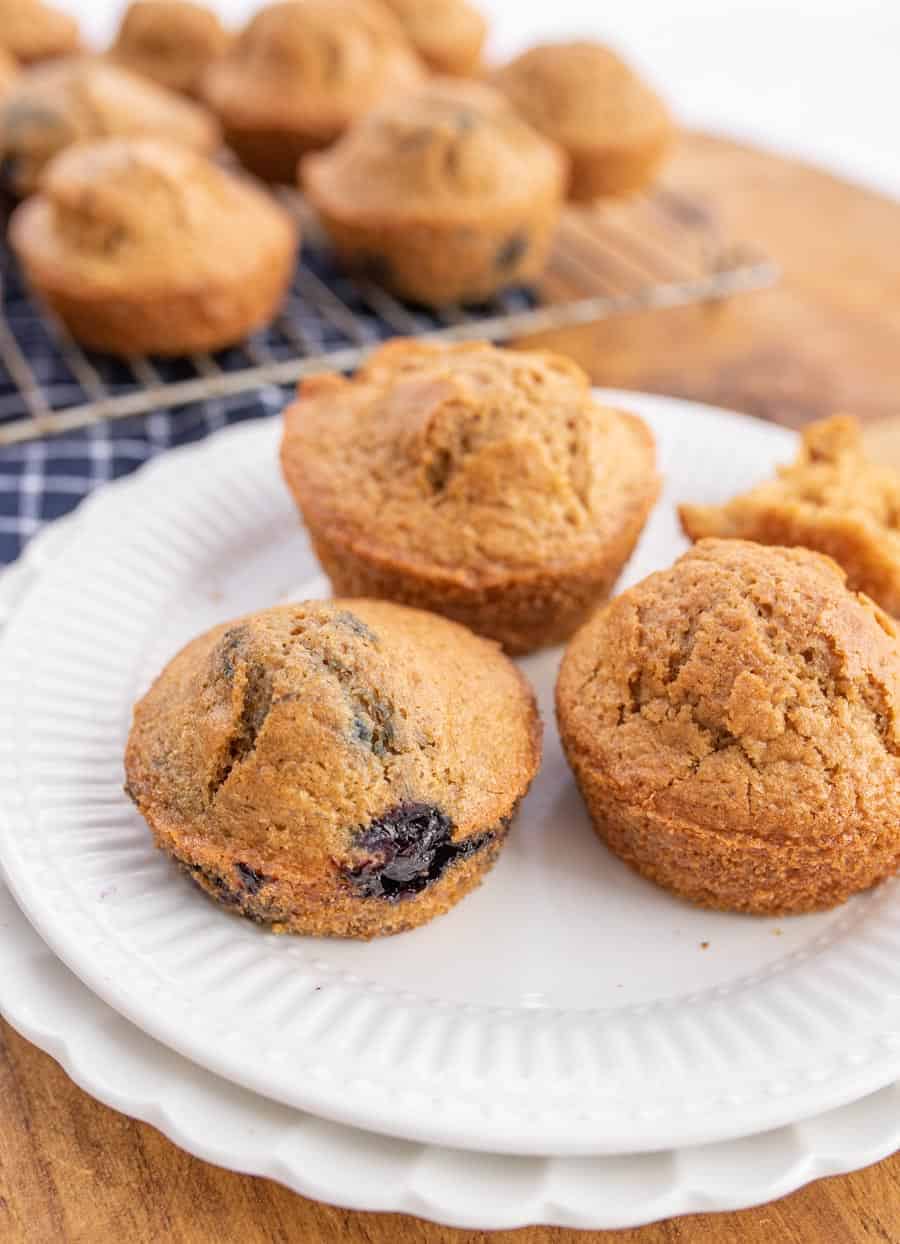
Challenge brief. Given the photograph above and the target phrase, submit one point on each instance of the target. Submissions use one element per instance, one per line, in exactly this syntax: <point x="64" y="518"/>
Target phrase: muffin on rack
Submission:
<point x="441" y="195"/>
<point x="300" y="73"/>
<point x="734" y="725"/>
<point x="343" y="769"/>
<point x="833" y="499"/>
<point x="33" y="31"/>
<point x="614" y="128"/>
<point x="77" y="100"/>
<point x="449" y="35"/>
<point x="171" y="41"/>
<point x="142" y="246"/>
<point x="483" y="484"/>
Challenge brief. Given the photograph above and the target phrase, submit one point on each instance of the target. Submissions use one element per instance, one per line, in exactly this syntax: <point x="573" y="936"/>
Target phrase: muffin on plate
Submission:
<point x="442" y="195"/>
<point x="449" y="35"/>
<point x="72" y="101"/>
<point x="142" y="246"/>
<point x="300" y="73"/>
<point x="483" y="484"/>
<point x="32" y="31"/>
<point x="833" y="499"/>
<point x="347" y="768"/>
<point x="614" y="128"/>
<point x="171" y="41"/>
<point x="734" y="726"/>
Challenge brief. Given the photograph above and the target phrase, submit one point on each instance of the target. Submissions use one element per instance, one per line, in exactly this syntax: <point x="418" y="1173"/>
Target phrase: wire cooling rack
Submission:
<point x="652" y="251"/>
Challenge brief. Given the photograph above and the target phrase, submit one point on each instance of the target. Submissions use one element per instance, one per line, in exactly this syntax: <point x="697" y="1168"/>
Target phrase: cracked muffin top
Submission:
<point x="146" y="213"/>
<point x="33" y="31"/>
<point x="451" y="146"/>
<point x="289" y="735"/>
<point x="171" y="41"/>
<point x="54" y="106"/>
<point x="448" y="34"/>
<point x="833" y="499"/>
<point x="312" y="63"/>
<point x="745" y="690"/>
<point x="582" y="95"/>
<point x="470" y="458"/>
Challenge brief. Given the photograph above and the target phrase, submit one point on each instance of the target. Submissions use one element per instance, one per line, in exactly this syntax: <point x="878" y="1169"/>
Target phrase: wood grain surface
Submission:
<point x="74" y="1172"/>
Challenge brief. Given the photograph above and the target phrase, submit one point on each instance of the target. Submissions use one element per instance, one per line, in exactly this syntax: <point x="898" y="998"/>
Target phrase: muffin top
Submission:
<point x="312" y="63"/>
<point x="75" y="100"/>
<point x="32" y="31"/>
<point x="171" y="41"/>
<point x="582" y="95"/>
<point x="746" y="690"/>
<point x="147" y="214"/>
<point x="284" y="732"/>
<point x="451" y="146"/>
<point x="447" y="34"/>
<point x="467" y="462"/>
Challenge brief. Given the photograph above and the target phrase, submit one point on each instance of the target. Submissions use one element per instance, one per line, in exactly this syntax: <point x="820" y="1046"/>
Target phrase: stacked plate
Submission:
<point x="569" y="1045"/>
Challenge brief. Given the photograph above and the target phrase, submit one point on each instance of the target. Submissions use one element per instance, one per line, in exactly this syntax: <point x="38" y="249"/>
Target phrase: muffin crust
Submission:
<point x="449" y="35"/>
<point x="171" y="41"/>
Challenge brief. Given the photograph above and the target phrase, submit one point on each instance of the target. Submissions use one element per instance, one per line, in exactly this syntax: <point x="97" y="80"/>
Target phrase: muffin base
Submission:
<point x="600" y="172"/>
<point x="438" y="263"/>
<point x="731" y="872"/>
<point x="288" y="907"/>
<point x="273" y="154"/>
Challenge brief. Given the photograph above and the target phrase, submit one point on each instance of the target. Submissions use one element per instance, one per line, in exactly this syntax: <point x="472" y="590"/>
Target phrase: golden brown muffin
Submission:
<point x="449" y="35"/>
<point x="832" y="499"/>
<point x="614" y="128"/>
<point x="347" y="768"/>
<point x="9" y="72"/>
<point x="171" y="41"/>
<point x="479" y="483"/>
<point x="32" y="31"/>
<point x="300" y="73"/>
<point x="734" y="725"/>
<point x="77" y="100"/>
<point x="443" y="195"/>
<point x="144" y="247"/>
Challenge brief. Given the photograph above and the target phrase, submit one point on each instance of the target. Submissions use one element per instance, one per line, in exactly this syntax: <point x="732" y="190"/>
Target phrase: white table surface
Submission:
<point x="814" y="78"/>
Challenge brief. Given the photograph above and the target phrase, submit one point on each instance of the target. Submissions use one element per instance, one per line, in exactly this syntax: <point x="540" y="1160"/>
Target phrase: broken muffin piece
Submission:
<point x="832" y="499"/>
<point x="336" y="768"/>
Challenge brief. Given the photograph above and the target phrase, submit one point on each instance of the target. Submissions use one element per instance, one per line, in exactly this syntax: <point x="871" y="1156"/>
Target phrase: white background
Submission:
<point x="815" y="79"/>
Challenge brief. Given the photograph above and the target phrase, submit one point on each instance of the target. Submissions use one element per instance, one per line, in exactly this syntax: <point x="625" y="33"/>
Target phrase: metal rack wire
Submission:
<point x="654" y="251"/>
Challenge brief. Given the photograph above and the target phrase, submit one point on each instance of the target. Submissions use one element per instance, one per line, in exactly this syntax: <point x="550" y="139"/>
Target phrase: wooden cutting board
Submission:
<point x="827" y="339"/>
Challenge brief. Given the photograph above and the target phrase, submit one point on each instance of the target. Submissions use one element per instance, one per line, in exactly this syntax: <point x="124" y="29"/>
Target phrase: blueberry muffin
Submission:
<point x="345" y="769"/>
<point x="32" y="31"/>
<point x="142" y="246"/>
<point x="443" y="195"/>
<point x="483" y="484"/>
<point x="449" y="35"/>
<point x="615" y="130"/>
<point x="300" y="73"/>
<point x="72" y="101"/>
<point x="734" y="725"/>
<point x="171" y="41"/>
<point x="832" y="499"/>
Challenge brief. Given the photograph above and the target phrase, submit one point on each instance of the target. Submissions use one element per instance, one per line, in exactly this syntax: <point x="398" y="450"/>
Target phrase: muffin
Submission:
<point x="72" y="101"/>
<point x="483" y="484"/>
<point x="300" y="73"/>
<point x="443" y="195"/>
<point x="345" y="769"/>
<point x="31" y="31"/>
<point x="142" y="246"/>
<point x="9" y="72"/>
<point x="734" y="726"/>
<point x="832" y="499"/>
<point x="449" y="35"/>
<point x="613" y="127"/>
<point x="171" y="41"/>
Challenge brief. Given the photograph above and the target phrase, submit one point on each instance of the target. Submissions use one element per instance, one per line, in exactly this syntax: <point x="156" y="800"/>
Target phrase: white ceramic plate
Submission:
<point x="566" y="1007"/>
